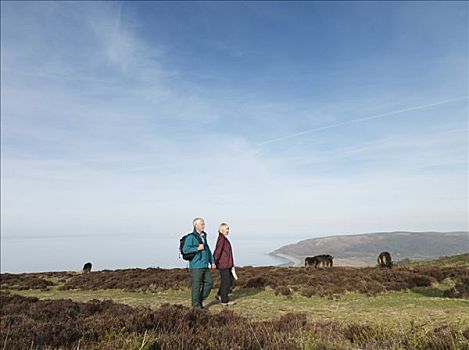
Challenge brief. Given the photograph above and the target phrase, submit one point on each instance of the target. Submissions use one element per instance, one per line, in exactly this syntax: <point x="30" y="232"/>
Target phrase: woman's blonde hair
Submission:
<point x="222" y="228"/>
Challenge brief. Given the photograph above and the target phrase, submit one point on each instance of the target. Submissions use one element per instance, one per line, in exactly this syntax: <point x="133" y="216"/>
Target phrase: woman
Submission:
<point x="223" y="255"/>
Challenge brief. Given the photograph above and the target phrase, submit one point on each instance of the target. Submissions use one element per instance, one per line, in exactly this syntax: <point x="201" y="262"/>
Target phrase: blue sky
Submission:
<point x="280" y="118"/>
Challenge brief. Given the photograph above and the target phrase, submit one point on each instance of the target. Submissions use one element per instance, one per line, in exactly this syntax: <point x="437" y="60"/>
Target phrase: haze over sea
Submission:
<point x="69" y="253"/>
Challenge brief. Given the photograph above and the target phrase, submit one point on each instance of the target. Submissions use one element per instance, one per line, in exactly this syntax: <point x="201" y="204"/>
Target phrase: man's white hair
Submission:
<point x="197" y="220"/>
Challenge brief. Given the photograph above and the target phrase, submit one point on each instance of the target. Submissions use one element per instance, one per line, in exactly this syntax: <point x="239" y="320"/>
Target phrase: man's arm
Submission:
<point x="210" y="255"/>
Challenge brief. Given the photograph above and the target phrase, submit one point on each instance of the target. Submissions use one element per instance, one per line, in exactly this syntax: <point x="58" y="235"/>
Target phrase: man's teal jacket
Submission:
<point x="203" y="258"/>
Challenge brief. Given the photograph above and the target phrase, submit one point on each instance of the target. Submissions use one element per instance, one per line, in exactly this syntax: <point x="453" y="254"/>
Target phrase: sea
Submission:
<point x="108" y="252"/>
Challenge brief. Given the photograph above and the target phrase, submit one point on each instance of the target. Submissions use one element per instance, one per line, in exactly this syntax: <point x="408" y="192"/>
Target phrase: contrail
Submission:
<point x="359" y="120"/>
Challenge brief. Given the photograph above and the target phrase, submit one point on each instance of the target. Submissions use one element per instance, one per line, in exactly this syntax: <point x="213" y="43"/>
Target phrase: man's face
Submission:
<point x="200" y="225"/>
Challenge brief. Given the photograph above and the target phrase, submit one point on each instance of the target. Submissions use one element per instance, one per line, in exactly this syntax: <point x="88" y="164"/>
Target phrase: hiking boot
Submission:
<point x="228" y="303"/>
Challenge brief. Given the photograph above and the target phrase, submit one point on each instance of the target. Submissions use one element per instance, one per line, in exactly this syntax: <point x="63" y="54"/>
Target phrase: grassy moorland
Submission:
<point x="413" y="306"/>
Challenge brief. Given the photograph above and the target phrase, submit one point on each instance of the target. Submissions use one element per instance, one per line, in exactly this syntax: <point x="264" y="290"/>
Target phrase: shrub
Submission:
<point x="308" y="292"/>
<point x="282" y="290"/>
<point x="460" y="290"/>
<point x="24" y="281"/>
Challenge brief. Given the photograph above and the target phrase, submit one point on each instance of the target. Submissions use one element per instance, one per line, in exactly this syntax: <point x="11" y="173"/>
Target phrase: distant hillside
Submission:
<point x="446" y="261"/>
<point x="363" y="249"/>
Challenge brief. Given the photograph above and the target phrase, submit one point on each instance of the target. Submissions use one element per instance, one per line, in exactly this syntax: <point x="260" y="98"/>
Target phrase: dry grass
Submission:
<point x="32" y="323"/>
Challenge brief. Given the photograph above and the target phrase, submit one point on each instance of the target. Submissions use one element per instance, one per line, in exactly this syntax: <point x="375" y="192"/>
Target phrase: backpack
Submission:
<point x="188" y="256"/>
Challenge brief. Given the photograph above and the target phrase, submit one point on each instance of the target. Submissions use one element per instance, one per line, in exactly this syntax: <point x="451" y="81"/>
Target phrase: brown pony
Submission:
<point x="87" y="267"/>
<point x="319" y="261"/>
<point x="384" y="260"/>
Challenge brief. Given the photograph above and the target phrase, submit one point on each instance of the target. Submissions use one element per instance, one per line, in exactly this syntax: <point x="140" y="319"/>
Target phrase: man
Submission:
<point x="201" y="277"/>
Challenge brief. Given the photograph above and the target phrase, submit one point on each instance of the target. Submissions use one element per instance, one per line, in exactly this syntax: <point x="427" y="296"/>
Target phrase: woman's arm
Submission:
<point x="218" y="250"/>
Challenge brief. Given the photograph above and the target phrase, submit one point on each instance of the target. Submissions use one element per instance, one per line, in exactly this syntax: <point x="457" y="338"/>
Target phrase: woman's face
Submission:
<point x="227" y="230"/>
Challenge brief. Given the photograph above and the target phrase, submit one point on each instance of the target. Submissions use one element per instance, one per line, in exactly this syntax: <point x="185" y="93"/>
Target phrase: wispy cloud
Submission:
<point x="360" y="120"/>
<point x="121" y="117"/>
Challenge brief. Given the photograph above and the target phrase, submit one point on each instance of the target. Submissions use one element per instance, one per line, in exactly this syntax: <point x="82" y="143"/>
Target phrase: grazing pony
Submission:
<point x="319" y="261"/>
<point x="384" y="260"/>
<point x="87" y="267"/>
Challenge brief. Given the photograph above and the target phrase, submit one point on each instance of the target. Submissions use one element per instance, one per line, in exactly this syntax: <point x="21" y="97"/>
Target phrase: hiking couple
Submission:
<point x="199" y="266"/>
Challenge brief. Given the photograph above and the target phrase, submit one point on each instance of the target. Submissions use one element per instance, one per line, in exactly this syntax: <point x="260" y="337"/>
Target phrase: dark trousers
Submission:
<point x="226" y="280"/>
<point x="201" y="284"/>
